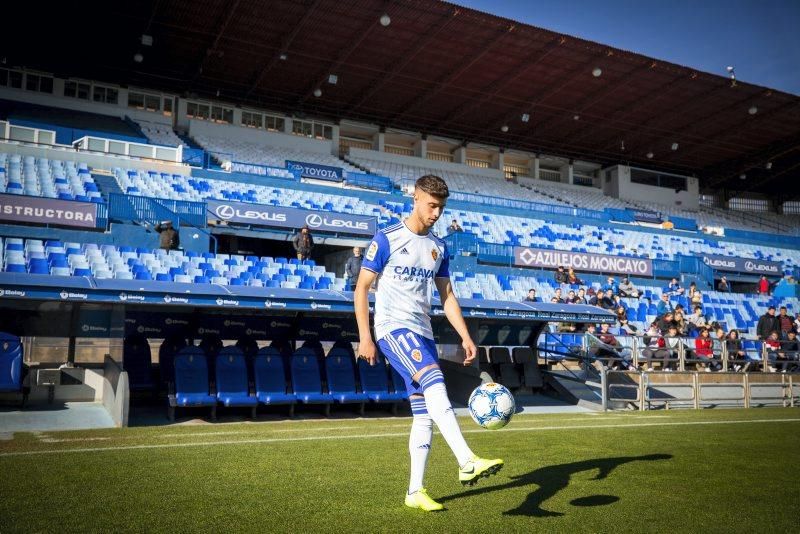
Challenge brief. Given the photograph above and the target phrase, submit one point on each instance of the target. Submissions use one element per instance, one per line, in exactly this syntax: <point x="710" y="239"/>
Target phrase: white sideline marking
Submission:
<point x="65" y="440"/>
<point x="386" y="435"/>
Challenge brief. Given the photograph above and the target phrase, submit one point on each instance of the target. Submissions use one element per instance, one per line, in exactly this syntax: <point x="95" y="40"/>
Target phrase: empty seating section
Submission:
<point x="127" y="263"/>
<point x="42" y="177"/>
<point x="262" y="154"/>
<point x="159" y="134"/>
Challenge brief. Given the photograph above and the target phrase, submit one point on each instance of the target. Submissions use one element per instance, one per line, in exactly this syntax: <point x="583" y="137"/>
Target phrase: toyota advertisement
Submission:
<point x="282" y="217"/>
<point x="314" y="170"/>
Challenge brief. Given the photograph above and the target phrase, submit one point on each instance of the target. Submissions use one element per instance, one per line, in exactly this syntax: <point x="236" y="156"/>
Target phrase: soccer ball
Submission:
<point x="491" y="406"/>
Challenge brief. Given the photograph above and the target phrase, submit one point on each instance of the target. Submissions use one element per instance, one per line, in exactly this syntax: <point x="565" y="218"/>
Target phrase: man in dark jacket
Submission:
<point x="168" y="237"/>
<point x="786" y="323"/>
<point x="303" y="243"/>
<point x="353" y="267"/>
<point x="561" y="275"/>
<point x="767" y="323"/>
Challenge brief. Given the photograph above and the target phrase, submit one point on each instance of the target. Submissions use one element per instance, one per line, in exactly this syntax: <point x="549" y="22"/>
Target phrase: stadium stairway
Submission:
<point x="107" y="184"/>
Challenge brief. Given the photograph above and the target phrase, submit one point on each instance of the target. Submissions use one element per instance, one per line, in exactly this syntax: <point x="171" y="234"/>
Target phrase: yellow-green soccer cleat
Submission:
<point x="420" y="499"/>
<point x="478" y="468"/>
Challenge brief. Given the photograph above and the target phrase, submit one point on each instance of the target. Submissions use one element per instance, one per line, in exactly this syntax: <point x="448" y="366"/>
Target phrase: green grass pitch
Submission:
<point x="675" y="471"/>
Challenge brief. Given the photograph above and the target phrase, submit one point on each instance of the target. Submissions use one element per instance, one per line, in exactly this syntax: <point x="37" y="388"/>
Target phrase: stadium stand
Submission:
<point x="159" y="134"/>
<point x="41" y="177"/>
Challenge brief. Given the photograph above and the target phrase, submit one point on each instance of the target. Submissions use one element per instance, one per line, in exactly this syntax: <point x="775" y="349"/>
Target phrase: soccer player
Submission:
<point x="405" y="258"/>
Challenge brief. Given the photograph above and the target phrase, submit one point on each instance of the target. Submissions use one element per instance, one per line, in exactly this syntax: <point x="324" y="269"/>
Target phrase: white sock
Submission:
<point x="442" y="414"/>
<point x="419" y="444"/>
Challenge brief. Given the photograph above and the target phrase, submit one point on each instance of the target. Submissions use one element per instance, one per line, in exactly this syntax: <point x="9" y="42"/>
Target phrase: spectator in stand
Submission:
<point x="704" y="350"/>
<point x="619" y="302"/>
<point x="303" y="243"/>
<point x="168" y="237"/>
<point x="627" y="289"/>
<point x="674" y="287"/>
<point x="791" y="350"/>
<point x="609" y="349"/>
<point x="785" y="322"/>
<point x="797" y="322"/>
<point x="680" y="323"/>
<point x="352" y="268"/>
<point x="664" y="305"/>
<point x="591" y="296"/>
<point x="735" y="350"/>
<point x="767" y="323"/>
<point x="561" y="275"/>
<point x="580" y="298"/>
<point x="619" y="311"/>
<point x="454" y="227"/>
<point x="570" y="297"/>
<point x="695" y="296"/>
<point x="655" y="347"/>
<point x="606" y="301"/>
<point x="610" y="284"/>
<point x="559" y="298"/>
<point x="673" y="343"/>
<point x="532" y="296"/>
<point x="774" y="356"/>
<point x="627" y="327"/>
<point x="697" y="320"/>
<point x="665" y="322"/>
<point x="723" y="286"/>
<point x="572" y="278"/>
<point x="763" y="286"/>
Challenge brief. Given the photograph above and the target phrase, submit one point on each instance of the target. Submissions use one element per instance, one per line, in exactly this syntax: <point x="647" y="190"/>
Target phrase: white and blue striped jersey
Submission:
<point x="406" y="264"/>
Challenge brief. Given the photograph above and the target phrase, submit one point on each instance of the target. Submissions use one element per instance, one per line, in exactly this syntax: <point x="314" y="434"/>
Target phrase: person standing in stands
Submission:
<point x="352" y="268"/>
<point x="763" y="286"/>
<point x="723" y="286"/>
<point x="405" y="259"/>
<point x="572" y="278"/>
<point x="767" y="323"/>
<point x="580" y="298"/>
<point x="627" y="289"/>
<point x="531" y="297"/>
<point x="786" y="323"/>
<point x="611" y="284"/>
<point x="168" y="237"/>
<point x="454" y="227"/>
<point x="303" y="243"/>
<point x="561" y="275"/>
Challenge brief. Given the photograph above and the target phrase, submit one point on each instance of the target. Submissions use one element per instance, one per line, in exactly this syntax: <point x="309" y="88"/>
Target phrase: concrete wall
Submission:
<point x="622" y="187"/>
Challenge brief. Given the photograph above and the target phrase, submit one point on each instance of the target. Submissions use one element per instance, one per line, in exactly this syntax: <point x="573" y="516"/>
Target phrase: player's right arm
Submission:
<point x="366" y="345"/>
<point x="374" y="261"/>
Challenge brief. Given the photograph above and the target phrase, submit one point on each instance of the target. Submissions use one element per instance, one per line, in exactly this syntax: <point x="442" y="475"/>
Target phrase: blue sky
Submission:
<point x="761" y="39"/>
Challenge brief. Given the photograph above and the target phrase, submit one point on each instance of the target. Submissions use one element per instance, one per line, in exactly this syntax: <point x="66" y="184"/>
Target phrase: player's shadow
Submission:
<point x="554" y="478"/>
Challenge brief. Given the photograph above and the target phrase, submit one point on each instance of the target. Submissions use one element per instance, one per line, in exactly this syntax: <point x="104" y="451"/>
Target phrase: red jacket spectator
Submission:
<point x="704" y="346"/>
<point x="763" y="285"/>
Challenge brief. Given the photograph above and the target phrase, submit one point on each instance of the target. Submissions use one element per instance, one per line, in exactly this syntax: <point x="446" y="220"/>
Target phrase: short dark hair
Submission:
<point x="531" y="289"/>
<point x="433" y="185"/>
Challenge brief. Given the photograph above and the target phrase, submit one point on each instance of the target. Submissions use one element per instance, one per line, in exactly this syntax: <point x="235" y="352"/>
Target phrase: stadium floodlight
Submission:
<point x="576" y="117"/>
<point x="283" y="57"/>
<point x="597" y="72"/>
<point x="385" y="20"/>
<point x="504" y="128"/>
<point x="674" y="146"/>
<point x="147" y="40"/>
<point x="318" y="92"/>
<point x="650" y="155"/>
<point x="525" y="117"/>
<point x="138" y="57"/>
<point x="333" y="79"/>
<point x="753" y="110"/>
<point x="742" y="176"/>
<point x="769" y="165"/>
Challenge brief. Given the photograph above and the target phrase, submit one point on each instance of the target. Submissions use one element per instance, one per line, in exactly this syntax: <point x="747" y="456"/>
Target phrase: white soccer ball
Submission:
<point x="491" y="405"/>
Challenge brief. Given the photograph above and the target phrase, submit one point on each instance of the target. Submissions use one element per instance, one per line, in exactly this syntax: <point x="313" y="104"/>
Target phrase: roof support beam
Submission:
<point x="286" y="42"/>
<point x="505" y="81"/>
<point x="442" y="84"/>
<point x="435" y="29"/>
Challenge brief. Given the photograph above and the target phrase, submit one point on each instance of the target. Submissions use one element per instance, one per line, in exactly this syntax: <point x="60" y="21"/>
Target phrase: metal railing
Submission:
<point x="151" y="210"/>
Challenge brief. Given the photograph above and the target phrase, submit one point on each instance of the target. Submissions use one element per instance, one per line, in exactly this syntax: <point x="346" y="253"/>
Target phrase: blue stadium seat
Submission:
<point x="166" y="358"/>
<point x="306" y="381"/>
<point x="341" y="378"/>
<point x="137" y="361"/>
<point x="11" y="365"/>
<point x="375" y="382"/>
<point x="270" y="378"/>
<point x="191" y="382"/>
<point x="232" y="383"/>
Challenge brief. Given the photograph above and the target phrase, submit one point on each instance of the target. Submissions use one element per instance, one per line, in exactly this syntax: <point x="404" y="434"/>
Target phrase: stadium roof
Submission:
<point x="437" y="68"/>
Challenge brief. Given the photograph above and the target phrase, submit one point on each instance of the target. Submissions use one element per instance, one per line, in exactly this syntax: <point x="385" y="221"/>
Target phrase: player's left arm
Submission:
<point x="452" y="310"/>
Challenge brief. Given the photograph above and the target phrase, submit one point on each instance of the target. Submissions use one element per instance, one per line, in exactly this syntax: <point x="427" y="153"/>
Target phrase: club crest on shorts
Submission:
<point x="435" y="254"/>
<point x="416" y="355"/>
<point x="372" y="250"/>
